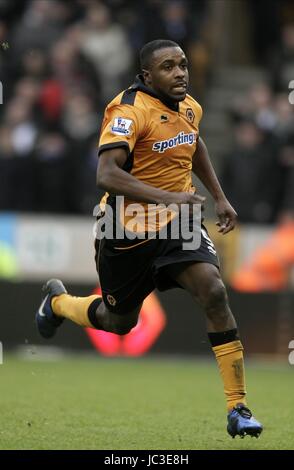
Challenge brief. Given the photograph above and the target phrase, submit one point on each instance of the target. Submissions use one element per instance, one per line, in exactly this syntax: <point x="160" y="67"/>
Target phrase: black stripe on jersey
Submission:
<point x="128" y="165"/>
<point x="114" y="145"/>
<point x="129" y="96"/>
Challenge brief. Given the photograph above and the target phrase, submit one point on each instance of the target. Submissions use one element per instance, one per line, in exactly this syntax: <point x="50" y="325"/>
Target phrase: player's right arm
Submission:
<point x="113" y="179"/>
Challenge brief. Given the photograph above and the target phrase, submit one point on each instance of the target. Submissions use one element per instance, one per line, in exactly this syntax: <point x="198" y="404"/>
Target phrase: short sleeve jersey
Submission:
<point x="160" y="137"/>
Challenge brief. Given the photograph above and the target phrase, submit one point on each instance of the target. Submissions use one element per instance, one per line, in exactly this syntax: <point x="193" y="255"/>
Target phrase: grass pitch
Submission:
<point x="153" y="403"/>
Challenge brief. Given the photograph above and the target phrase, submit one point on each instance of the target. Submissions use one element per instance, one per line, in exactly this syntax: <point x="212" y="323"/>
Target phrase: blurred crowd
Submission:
<point x="258" y="171"/>
<point x="61" y="62"/>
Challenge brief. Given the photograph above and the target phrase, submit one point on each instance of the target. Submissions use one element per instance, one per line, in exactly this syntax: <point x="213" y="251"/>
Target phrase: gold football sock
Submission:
<point x="229" y="357"/>
<point x="74" y="308"/>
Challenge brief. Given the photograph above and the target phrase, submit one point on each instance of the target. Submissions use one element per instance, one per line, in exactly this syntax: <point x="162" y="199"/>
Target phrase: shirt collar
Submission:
<point x="140" y="86"/>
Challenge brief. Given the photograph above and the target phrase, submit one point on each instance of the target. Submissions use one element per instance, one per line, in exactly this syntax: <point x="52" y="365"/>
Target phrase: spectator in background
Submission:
<point x="5" y="62"/>
<point x="258" y="105"/>
<point x="287" y="162"/>
<point x="252" y="175"/>
<point x="265" y="165"/>
<point x="105" y="44"/>
<point x="176" y="22"/>
<point x="284" y="113"/>
<point x="264" y="26"/>
<point x="80" y="118"/>
<point x="69" y="69"/>
<point x="282" y="60"/>
<point x="28" y="90"/>
<point x="34" y="64"/>
<point x="53" y="181"/>
<point x="18" y="117"/>
<point x="40" y="27"/>
<point x="181" y="24"/>
<point x="80" y="122"/>
<point x="16" y="174"/>
<point x="18" y="138"/>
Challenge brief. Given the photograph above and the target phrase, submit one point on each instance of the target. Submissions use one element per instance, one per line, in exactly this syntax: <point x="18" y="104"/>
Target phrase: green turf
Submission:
<point x="85" y="403"/>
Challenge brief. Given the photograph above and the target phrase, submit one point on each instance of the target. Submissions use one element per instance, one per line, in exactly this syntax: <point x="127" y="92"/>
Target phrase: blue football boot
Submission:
<point x="241" y="422"/>
<point x="47" y="322"/>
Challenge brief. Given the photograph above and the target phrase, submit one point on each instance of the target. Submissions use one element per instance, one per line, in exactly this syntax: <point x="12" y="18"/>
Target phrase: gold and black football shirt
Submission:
<point x="160" y="137"/>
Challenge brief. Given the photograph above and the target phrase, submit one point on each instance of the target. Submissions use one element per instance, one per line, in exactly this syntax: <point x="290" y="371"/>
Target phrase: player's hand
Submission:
<point x="227" y="216"/>
<point x="183" y="198"/>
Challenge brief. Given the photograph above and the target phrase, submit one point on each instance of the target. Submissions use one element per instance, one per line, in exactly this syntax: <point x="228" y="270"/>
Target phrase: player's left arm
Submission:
<point x="203" y="169"/>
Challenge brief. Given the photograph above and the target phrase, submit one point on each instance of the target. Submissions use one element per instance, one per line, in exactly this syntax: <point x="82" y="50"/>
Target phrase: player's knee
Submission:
<point x="216" y="298"/>
<point x="124" y="327"/>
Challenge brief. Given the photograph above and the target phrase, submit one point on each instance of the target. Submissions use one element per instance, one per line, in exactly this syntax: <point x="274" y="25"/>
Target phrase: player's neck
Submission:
<point x="140" y="85"/>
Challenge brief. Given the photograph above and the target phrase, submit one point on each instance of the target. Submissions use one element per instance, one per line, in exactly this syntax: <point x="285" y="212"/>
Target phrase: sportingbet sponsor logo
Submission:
<point x="180" y="139"/>
<point x="291" y="355"/>
<point x="121" y="126"/>
<point x="291" y="94"/>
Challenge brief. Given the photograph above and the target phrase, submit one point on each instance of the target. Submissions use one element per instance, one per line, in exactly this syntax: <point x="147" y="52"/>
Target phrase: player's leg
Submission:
<point x="124" y="273"/>
<point x="204" y="283"/>
<point x="120" y="323"/>
<point x="85" y="311"/>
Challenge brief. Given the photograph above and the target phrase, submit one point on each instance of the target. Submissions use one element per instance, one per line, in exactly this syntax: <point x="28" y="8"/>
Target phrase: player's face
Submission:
<point x="168" y="74"/>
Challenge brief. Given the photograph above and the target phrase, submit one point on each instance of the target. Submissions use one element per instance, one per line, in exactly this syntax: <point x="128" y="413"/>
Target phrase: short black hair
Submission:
<point x="147" y="50"/>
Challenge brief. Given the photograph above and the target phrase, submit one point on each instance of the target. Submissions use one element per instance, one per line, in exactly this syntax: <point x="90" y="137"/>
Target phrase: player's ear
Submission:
<point x="146" y="76"/>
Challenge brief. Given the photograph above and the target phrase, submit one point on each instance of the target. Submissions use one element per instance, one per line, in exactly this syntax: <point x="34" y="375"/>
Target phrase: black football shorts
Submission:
<point x="129" y="270"/>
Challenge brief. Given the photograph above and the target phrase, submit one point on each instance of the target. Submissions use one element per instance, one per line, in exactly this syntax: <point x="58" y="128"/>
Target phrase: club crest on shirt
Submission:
<point x="190" y="114"/>
<point x="121" y="126"/>
<point x="111" y="300"/>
